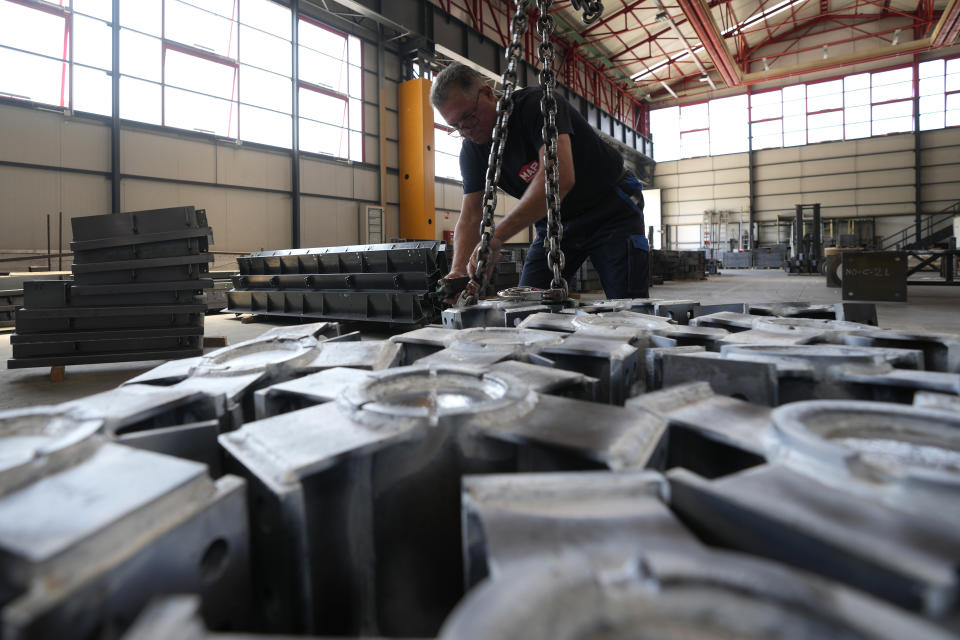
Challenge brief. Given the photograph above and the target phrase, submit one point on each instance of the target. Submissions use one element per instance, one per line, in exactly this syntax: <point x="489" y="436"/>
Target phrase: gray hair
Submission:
<point x="455" y="76"/>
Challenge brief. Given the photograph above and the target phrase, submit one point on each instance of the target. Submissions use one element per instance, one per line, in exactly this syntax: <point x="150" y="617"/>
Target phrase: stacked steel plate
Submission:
<point x="390" y="283"/>
<point x="134" y="293"/>
<point x="644" y="466"/>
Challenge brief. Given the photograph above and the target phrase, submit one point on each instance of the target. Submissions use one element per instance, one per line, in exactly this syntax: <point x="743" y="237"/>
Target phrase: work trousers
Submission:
<point x="603" y="234"/>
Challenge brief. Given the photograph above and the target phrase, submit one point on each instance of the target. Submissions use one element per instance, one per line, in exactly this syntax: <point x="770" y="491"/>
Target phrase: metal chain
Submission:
<point x="551" y="164"/>
<point x="518" y="27"/>
<point x="592" y="10"/>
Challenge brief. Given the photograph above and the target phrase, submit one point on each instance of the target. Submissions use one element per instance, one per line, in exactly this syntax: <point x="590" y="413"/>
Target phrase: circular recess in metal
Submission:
<point x="502" y="338"/>
<point x="874" y="440"/>
<point x="257" y="355"/>
<point x="620" y="320"/>
<point x="432" y="393"/>
<point x="38" y="440"/>
<point x="670" y="595"/>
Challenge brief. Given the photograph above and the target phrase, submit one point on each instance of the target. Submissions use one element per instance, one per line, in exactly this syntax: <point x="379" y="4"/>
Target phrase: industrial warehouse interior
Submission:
<point x="459" y="319"/>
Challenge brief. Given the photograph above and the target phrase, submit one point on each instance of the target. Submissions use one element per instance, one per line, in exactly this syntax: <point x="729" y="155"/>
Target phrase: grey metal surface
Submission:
<point x="863" y="492"/>
<point x="510" y="518"/>
<point x="365" y="490"/>
<point x="103" y="527"/>
<point x="671" y="594"/>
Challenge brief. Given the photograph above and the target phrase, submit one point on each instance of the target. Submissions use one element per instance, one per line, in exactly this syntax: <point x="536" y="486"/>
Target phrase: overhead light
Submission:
<point x="896" y="37"/>
<point x="766" y="65"/>
<point x="704" y="77"/>
<point x="662" y="16"/>
<point x="826" y="53"/>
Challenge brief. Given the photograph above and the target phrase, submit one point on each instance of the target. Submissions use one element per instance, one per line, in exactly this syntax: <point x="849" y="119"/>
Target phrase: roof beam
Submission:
<point x="703" y="24"/>
<point x="948" y="28"/>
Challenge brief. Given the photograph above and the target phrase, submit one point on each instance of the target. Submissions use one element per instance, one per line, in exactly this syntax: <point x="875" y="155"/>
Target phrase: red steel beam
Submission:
<point x="949" y="27"/>
<point x="702" y="22"/>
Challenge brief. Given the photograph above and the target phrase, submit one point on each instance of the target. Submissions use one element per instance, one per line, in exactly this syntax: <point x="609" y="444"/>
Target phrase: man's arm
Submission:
<point x="466" y="234"/>
<point x="533" y="205"/>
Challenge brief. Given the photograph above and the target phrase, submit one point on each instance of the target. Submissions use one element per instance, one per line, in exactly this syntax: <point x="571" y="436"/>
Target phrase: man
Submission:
<point x="601" y="204"/>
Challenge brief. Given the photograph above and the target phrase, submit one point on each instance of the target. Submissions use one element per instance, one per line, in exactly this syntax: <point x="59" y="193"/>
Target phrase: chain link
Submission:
<point x="556" y="261"/>
<point x="592" y="9"/>
<point x="518" y="27"/>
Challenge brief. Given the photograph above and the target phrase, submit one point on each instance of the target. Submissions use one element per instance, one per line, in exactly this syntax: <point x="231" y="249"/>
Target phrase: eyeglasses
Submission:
<point x="468" y="121"/>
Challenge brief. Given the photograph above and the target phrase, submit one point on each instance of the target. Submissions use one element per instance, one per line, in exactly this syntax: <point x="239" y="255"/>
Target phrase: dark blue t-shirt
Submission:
<point x="597" y="166"/>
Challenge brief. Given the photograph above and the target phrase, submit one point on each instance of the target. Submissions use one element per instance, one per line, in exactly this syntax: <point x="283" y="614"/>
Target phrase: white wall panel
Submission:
<point x="327" y="222"/>
<point x="31" y="194"/>
<point x="84" y="145"/>
<point x="163" y="155"/>
<point x="238" y="165"/>
<point x="367" y="184"/>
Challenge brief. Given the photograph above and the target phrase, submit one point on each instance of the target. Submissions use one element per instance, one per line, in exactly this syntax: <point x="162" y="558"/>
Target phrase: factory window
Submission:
<point x="825" y="111"/>
<point x="55" y="56"/>
<point x="330" y="91"/>
<point x="665" y="130"/>
<point x="856" y="106"/>
<point x="220" y="67"/>
<point x="891" y="98"/>
<point x="446" y="145"/>
<point x="766" y="119"/>
<point x="939" y="88"/>
<point x="694" y="130"/>
<point x="728" y="125"/>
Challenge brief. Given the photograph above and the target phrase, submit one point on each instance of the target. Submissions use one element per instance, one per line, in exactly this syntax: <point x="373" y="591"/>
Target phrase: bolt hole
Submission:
<point x="214" y="560"/>
<point x="406" y="176"/>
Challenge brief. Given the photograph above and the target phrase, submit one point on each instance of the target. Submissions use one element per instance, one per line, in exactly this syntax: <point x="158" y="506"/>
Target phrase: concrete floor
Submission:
<point x="929" y="309"/>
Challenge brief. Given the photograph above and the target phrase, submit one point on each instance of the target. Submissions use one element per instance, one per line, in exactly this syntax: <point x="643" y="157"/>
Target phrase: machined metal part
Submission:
<point x="687" y="593"/>
<point x="776" y="374"/>
<point x="425" y="257"/>
<point x="509" y="518"/>
<point x="710" y="434"/>
<point x="356" y="502"/>
<point x="135" y="248"/>
<point x="399" y="281"/>
<point x="108" y="318"/>
<point x="179" y="616"/>
<point x="491" y="314"/>
<point x="613" y="361"/>
<point x="182" y="420"/>
<point x="941" y="351"/>
<point x="862" y="492"/>
<point x="90" y="531"/>
<point x="327" y="385"/>
<point x="653" y="364"/>
<point x="372" y="306"/>
<point x="96" y="358"/>
<point x="137" y="227"/>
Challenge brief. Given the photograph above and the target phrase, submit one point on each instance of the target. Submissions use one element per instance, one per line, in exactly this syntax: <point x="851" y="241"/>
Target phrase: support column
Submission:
<point x="917" y="172"/>
<point x="417" y="206"/>
<point x="295" y="124"/>
<point x="115" y="109"/>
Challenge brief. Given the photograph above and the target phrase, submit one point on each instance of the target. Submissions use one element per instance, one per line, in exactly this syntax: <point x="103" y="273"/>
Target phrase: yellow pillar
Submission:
<point x="417" y="206"/>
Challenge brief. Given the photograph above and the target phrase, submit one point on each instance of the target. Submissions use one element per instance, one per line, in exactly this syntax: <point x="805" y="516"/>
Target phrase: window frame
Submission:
<point x="346" y="97"/>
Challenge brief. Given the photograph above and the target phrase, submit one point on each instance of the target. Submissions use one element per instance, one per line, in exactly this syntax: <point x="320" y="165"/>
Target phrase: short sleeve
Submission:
<point x="472" y="169"/>
<point x="532" y="118"/>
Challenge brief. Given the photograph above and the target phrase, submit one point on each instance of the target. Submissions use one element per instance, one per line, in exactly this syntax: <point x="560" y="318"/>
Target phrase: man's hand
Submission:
<point x="449" y="286"/>
<point x="492" y="257"/>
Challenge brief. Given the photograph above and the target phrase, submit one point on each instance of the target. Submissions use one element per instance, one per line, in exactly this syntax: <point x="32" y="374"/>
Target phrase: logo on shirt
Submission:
<point x="529" y="170"/>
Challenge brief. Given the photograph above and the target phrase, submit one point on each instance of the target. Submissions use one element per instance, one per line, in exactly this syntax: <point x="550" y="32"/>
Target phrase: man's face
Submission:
<point x="472" y="112"/>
